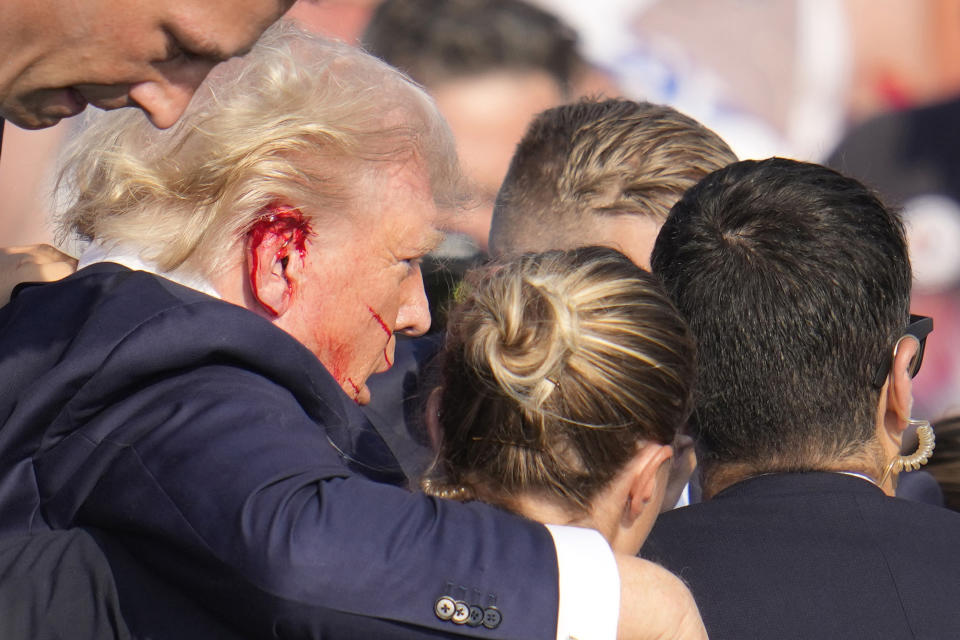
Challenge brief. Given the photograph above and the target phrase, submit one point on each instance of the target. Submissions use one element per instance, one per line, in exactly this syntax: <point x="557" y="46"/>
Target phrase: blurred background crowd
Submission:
<point x="869" y="87"/>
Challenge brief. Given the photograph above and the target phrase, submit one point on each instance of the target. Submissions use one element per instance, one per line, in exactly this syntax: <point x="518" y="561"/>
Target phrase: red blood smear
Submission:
<point x="336" y="361"/>
<point x="386" y="330"/>
<point x="278" y="220"/>
<point x="356" y="390"/>
<point x="383" y="325"/>
<point x="893" y="92"/>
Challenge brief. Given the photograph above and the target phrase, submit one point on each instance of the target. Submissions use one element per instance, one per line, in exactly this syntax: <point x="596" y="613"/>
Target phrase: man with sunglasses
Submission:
<point x="796" y="284"/>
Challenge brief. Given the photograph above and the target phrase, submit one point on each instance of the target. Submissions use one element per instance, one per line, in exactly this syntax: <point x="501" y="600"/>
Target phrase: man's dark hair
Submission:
<point x="596" y="158"/>
<point x="796" y="283"/>
<point x="438" y="40"/>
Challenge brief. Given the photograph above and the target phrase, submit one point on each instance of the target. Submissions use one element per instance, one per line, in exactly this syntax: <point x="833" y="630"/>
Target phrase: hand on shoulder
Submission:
<point x="32" y="263"/>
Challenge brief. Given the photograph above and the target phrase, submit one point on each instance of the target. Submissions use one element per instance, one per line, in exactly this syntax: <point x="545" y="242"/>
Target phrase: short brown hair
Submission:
<point x="556" y="366"/>
<point x="439" y="40"/>
<point x="593" y="158"/>
<point x="795" y="280"/>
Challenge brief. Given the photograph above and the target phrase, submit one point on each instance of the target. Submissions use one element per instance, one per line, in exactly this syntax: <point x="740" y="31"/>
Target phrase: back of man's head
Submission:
<point x="439" y="40"/>
<point x="582" y="166"/>
<point x="796" y="283"/>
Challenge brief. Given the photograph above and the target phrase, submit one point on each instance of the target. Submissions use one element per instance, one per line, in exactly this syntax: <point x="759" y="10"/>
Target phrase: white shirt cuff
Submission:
<point x="589" y="585"/>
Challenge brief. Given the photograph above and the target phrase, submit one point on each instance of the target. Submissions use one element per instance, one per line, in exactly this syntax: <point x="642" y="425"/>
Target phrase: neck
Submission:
<point x="605" y="515"/>
<point x="717" y="477"/>
<point x="544" y="509"/>
<point x="129" y="256"/>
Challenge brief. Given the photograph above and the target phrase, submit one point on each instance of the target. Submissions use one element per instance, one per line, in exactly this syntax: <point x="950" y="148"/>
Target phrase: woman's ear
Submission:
<point x="432" y="419"/>
<point x="632" y="502"/>
<point x="649" y="470"/>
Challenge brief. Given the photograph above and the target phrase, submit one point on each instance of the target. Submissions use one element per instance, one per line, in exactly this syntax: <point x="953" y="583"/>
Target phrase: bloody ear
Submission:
<point x="281" y="233"/>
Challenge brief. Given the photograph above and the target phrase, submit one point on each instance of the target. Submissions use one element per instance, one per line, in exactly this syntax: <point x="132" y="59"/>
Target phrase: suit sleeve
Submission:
<point x="220" y="483"/>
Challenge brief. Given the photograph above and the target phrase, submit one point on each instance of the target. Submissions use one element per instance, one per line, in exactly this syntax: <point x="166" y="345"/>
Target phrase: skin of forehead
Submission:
<point x="218" y="28"/>
<point x="113" y="44"/>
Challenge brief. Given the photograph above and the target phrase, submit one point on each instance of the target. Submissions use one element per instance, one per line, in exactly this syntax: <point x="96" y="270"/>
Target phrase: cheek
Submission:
<point x="379" y="320"/>
<point x="386" y="329"/>
<point x="350" y="320"/>
<point x="348" y="344"/>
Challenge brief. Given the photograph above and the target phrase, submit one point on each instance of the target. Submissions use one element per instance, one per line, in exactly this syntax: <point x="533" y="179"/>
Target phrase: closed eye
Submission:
<point x="178" y="51"/>
<point x="412" y="263"/>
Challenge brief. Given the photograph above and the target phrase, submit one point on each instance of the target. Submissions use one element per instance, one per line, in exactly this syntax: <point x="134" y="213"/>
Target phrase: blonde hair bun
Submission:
<point x="555" y="366"/>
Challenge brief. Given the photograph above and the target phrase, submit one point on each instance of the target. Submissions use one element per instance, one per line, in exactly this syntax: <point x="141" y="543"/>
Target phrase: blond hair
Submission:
<point x="595" y="158"/>
<point x="556" y="365"/>
<point x="300" y="118"/>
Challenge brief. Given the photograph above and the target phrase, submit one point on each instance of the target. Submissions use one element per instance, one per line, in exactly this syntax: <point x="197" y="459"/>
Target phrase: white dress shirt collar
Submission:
<point x="129" y="257"/>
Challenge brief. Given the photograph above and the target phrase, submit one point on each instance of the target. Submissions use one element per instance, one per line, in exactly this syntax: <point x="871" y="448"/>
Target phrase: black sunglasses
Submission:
<point x="919" y="327"/>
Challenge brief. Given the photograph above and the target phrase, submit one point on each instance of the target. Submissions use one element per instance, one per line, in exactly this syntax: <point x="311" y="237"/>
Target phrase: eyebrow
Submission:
<point x="199" y="47"/>
<point x="431" y="242"/>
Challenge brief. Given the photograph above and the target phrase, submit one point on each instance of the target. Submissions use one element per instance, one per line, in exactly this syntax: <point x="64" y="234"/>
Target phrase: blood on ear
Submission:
<point x="286" y="228"/>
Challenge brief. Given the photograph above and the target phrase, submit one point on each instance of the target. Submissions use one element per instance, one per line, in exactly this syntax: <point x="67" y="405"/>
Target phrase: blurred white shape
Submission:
<point x="822" y="71"/>
<point x="933" y="235"/>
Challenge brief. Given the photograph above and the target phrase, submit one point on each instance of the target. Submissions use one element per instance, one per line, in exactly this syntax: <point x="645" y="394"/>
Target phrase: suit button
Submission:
<point x="492" y="617"/>
<point x="462" y="612"/>
<point x="476" y="616"/>
<point x="445" y="607"/>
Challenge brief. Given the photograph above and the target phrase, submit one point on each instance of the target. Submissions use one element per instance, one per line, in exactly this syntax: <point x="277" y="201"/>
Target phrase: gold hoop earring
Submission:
<point x="926" y="441"/>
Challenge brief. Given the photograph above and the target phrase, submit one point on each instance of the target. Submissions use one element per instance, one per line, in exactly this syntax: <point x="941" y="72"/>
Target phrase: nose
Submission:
<point x="413" y="318"/>
<point x="165" y="99"/>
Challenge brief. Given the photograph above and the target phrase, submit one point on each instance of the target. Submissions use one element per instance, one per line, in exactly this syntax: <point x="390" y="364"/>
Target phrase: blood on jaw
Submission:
<point x="356" y="390"/>
<point x="277" y="220"/>
<point x="336" y="360"/>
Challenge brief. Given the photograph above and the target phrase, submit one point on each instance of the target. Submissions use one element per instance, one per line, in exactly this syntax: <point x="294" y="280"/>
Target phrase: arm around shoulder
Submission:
<point x="34" y="263"/>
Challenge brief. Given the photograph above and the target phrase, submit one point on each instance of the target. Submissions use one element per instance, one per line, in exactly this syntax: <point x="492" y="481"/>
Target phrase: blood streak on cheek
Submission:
<point x="386" y="329"/>
<point x="288" y="226"/>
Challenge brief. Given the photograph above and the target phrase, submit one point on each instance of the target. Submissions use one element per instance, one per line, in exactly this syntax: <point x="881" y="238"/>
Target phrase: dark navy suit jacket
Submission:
<point x="398" y="400"/>
<point x="212" y="452"/>
<point x="815" y="555"/>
